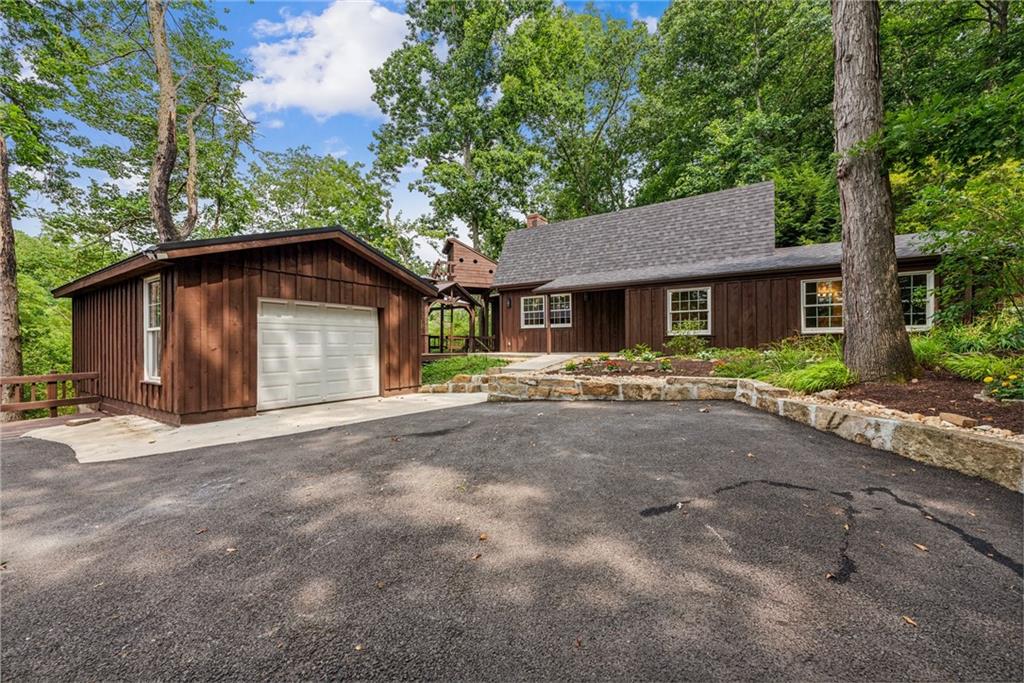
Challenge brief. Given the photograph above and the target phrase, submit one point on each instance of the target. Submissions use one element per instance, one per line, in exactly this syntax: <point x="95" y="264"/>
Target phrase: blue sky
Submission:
<point x="311" y="62"/>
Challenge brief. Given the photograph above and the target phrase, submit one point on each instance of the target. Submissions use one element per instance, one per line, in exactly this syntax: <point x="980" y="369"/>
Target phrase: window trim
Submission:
<point x="706" y="332"/>
<point x="929" y="304"/>
<point x="543" y="311"/>
<point x="550" y="310"/>
<point x="929" y="310"/>
<point x="148" y="329"/>
<point x="803" y="307"/>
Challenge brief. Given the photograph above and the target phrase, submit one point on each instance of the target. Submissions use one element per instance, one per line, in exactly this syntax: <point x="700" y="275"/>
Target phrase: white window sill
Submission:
<point x="155" y="382"/>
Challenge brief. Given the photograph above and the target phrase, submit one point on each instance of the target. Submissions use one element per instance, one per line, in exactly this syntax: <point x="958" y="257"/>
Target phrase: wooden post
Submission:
<point x="440" y="340"/>
<point x="51" y="393"/>
<point x="547" y="320"/>
<point x="472" y="328"/>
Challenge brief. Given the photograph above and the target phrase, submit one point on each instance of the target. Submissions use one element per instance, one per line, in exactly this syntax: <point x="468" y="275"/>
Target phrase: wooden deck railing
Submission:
<point x="68" y="389"/>
<point x="458" y="343"/>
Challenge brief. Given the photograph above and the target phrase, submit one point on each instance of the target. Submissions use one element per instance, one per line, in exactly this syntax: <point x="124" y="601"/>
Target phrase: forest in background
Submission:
<point x="527" y="107"/>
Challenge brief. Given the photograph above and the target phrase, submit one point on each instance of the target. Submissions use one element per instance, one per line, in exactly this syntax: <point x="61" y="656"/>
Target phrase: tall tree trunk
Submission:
<point x="10" y="324"/>
<point x="877" y="345"/>
<point x="166" y="132"/>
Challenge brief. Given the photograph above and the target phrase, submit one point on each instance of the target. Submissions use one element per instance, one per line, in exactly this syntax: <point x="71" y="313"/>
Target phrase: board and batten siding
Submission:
<point x="210" y="304"/>
<point x="107" y="338"/>
<point x="598" y="324"/>
<point x="470" y="269"/>
<point x="748" y="311"/>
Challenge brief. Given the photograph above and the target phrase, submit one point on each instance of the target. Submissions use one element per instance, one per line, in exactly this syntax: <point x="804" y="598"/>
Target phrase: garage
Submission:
<point x="315" y="352"/>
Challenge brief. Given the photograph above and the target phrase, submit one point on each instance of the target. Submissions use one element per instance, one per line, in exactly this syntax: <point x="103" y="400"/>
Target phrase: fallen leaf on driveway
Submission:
<point x="201" y="531"/>
<point x="476" y="557"/>
<point x="483" y="537"/>
<point x="579" y="643"/>
<point x="920" y="547"/>
<point x="359" y="647"/>
<point x="231" y="550"/>
<point x="704" y="410"/>
<point x="380" y="585"/>
<point x="909" y="621"/>
<point x="751" y="455"/>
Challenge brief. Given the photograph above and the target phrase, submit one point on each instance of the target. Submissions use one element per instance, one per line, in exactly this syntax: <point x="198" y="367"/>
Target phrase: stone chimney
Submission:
<point x="534" y="220"/>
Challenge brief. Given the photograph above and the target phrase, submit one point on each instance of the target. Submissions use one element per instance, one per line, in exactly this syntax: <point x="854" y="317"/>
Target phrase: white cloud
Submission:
<point x="320" y="63"/>
<point x="274" y="123"/>
<point x="634" y="14"/>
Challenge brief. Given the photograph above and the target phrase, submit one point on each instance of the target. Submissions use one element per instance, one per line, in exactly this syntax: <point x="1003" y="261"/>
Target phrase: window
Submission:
<point x="822" y="306"/>
<point x="823" y="303"/>
<point x="531" y="310"/>
<point x="561" y="310"/>
<point x="916" y="297"/>
<point x="689" y="311"/>
<point x="152" y="318"/>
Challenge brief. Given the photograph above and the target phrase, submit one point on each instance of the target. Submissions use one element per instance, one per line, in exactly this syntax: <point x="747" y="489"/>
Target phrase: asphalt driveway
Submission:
<point x="523" y="541"/>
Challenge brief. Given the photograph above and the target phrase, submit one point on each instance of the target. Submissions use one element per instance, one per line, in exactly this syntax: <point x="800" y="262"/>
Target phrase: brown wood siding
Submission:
<point x="210" y="344"/>
<point x="216" y="317"/>
<point x="108" y="337"/>
<point x="598" y="324"/>
<point x="470" y="269"/>
<point x="747" y="311"/>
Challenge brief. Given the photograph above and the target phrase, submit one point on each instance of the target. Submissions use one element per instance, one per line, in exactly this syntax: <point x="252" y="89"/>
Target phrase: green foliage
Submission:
<point x="978" y="366"/>
<point x="789" y="360"/>
<point x="928" y="350"/>
<point x="440" y="371"/>
<point x="827" y="374"/>
<point x="1006" y="387"/>
<point x="570" y="76"/>
<point x="570" y="367"/>
<point x="665" y="365"/>
<point x="603" y="357"/>
<point x="683" y="344"/>
<point x="640" y="352"/>
<point x="43" y="264"/>
<point x="740" y="362"/>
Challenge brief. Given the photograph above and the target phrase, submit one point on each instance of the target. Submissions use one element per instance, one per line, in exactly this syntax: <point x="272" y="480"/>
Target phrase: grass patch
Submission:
<point x="828" y="374"/>
<point x="978" y="366"/>
<point x="440" y="371"/>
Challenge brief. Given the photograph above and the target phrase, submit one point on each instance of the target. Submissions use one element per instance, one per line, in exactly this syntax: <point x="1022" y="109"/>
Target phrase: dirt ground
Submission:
<point x="936" y="392"/>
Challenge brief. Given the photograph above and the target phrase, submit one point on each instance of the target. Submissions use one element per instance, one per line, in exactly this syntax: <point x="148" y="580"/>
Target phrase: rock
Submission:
<point x="462" y="379"/>
<point x="79" y="421"/>
<point x="984" y="428"/>
<point x="958" y="420"/>
<point x="828" y="394"/>
<point x="600" y="389"/>
<point x="985" y="398"/>
<point x="641" y="391"/>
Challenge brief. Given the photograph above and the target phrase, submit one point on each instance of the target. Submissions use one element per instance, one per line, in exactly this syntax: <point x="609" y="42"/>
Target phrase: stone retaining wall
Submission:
<point x="997" y="459"/>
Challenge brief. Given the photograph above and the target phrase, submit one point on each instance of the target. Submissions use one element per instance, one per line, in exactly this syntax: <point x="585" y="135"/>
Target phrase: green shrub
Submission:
<point x="686" y="344"/>
<point x="928" y="350"/>
<point x="665" y="365"/>
<point x="741" y="363"/>
<point x="828" y="374"/>
<point x="603" y="357"/>
<point x="978" y="366"/>
<point x="640" y="352"/>
<point x="570" y="367"/>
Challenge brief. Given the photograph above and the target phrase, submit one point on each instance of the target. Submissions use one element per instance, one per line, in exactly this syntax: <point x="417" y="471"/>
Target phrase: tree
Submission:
<point x="440" y="94"/>
<point x="299" y="189"/>
<point x="571" y="78"/>
<point x="736" y="93"/>
<point x="876" y="341"/>
<point x="37" y="61"/>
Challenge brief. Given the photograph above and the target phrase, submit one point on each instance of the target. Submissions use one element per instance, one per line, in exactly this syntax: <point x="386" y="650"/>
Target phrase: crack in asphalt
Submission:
<point x="846" y="565"/>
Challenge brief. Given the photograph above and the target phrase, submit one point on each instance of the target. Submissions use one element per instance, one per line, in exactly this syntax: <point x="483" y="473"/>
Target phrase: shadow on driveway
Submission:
<point x="526" y="540"/>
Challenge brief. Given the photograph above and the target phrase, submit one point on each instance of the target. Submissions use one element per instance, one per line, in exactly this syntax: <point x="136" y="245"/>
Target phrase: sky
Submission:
<point x="312" y="61"/>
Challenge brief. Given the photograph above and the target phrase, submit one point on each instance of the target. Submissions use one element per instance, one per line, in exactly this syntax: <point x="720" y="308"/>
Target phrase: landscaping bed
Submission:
<point x="659" y="368"/>
<point x="940" y="392"/>
<point x="441" y="371"/>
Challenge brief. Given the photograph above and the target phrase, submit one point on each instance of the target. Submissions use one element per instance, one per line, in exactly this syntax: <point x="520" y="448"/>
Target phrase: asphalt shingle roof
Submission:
<point x="786" y="258"/>
<point x="730" y="224"/>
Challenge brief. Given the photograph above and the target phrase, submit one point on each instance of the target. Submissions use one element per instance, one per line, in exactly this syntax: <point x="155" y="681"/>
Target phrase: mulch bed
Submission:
<point x="936" y="392"/>
<point x="686" y="368"/>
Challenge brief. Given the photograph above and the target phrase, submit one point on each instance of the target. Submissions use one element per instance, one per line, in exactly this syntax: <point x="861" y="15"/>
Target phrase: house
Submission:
<point x="704" y="265"/>
<point x="203" y="330"/>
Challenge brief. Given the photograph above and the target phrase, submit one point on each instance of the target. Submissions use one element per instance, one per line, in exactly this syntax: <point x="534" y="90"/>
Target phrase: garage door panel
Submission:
<point x="312" y="352"/>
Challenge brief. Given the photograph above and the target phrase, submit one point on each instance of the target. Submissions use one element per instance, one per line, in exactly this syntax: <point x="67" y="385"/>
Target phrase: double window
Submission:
<point x="689" y="311"/>
<point x="152" y="320"/>
<point x="822" y="302"/>
<point x="533" y="311"/>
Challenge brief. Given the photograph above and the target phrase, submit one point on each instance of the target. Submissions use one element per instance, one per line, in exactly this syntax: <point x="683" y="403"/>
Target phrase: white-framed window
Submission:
<point x="560" y="306"/>
<point x="531" y="312"/>
<point x="823" y="302"/>
<point x="689" y="311"/>
<point x="152" y="320"/>
<point x="917" y="294"/>
<point x="822" y="306"/>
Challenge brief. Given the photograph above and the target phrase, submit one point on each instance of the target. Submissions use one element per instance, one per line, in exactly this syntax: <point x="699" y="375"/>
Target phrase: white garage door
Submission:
<point x="312" y="353"/>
